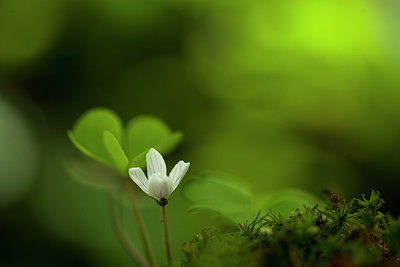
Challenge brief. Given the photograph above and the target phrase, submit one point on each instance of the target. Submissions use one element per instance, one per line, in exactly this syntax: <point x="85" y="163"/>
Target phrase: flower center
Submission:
<point x="162" y="202"/>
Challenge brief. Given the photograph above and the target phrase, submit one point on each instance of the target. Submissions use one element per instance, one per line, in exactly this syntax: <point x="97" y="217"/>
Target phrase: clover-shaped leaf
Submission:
<point x="231" y="197"/>
<point x="115" y="151"/>
<point x="221" y="193"/>
<point x="287" y="200"/>
<point x="144" y="132"/>
<point x="92" y="173"/>
<point x="99" y="134"/>
<point x="87" y="133"/>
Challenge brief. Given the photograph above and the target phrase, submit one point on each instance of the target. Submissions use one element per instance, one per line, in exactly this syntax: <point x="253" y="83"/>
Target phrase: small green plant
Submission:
<point x="100" y="135"/>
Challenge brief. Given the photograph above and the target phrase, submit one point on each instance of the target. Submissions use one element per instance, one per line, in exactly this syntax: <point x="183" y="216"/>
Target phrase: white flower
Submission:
<point x="158" y="185"/>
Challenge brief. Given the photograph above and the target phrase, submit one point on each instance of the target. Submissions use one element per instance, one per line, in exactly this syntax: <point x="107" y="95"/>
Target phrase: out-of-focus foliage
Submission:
<point x="218" y="248"/>
<point x="99" y="134"/>
<point x="233" y="198"/>
<point x="27" y="29"/>
<point x="92" y="173"/>
<point x="309" y="236"/>
<point x="220" y="193"/>
<point x="286" y="200"/>
<point x="19" y="155"/>
<point x="392" y="237"/>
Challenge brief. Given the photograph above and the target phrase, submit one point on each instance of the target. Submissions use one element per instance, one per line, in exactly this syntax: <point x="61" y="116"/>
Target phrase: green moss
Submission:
<point x="343" y="233"/>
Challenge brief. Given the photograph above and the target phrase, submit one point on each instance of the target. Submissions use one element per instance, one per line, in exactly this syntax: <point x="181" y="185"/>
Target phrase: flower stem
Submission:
<point x="140" y="223"/>
<point x="166" y="237"/>
<point x="116" y="225"/>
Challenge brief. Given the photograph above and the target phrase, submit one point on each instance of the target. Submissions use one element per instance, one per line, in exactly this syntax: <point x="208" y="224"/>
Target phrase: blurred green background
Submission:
<point x="284" y="94"/>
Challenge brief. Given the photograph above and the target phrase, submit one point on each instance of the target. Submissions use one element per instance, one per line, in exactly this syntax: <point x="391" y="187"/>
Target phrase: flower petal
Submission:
<point x="159" y="186"/>
<point x="137" y="175"/>
<point x="178" y="172"/>
<point x="155" y="163"/>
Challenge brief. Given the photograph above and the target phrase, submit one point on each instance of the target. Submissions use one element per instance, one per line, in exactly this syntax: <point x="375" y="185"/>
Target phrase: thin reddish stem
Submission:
<point x="166" y="237"/>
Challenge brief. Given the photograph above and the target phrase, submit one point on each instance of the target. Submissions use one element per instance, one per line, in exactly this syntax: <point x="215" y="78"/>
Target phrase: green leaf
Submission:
<point x="99" y="134"/>
<point x="221" y="193"/>
<point x="285" y="201"/>
<point x="139" y="160"/>
<point x="87" y="133"/>
<point x="83" y="149"/>
<point x="170" y="143"/>
<point x="90" y="172"/>
<point x="116" y="152"/>
<point x="146" y="132"/>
